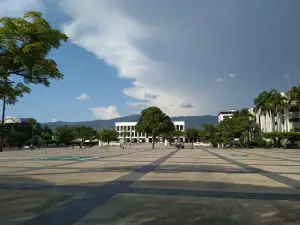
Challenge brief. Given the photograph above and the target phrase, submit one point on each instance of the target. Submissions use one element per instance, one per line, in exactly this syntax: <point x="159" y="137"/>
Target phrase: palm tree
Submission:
<point x="277" y="104"/>
<point x="294" y="95"/>
<point x="261" y="106"/>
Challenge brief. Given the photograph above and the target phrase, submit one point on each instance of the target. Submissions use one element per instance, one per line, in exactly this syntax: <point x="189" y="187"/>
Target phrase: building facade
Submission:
<point x="287" y="121"/>
<point x="225" y="114"/>
<point x="128" y="132"/>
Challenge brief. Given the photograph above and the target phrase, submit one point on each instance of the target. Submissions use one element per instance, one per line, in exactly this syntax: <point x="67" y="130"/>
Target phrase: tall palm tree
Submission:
<point x="261" y="107"/>
<point x="277" y="103"/>
<point x="294" y="95"/>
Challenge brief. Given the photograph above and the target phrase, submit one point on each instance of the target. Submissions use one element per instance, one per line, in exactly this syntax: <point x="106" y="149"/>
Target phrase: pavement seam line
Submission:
<point x="274" y="176"/>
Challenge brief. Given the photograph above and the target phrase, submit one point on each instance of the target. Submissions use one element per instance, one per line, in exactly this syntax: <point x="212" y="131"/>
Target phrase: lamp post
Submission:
<point x="287" y="76"/>
<point x="5" y="82"/>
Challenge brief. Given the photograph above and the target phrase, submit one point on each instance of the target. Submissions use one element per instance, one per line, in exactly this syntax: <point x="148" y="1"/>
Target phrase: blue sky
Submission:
<point x="198" y="58"/>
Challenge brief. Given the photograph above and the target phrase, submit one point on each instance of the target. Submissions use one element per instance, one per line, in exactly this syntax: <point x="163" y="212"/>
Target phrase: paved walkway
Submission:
<point x="144" y="186"/>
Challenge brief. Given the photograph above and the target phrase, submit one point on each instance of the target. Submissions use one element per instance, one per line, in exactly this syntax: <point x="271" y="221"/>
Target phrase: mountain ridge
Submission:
<point x="191" y="121"/>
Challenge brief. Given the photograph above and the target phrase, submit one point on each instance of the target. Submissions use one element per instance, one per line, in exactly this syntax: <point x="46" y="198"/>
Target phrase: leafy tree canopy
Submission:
<point x="108" y="135"/>
<point x="24" y="47"/>
<point x="85" y="133"/>
<point x="154" y="121"/>
<point x="64" y="134"/>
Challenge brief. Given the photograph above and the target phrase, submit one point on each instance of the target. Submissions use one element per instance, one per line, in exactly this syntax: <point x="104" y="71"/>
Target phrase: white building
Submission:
<point x="133" y="135"/>
<point x="224" y="114"/>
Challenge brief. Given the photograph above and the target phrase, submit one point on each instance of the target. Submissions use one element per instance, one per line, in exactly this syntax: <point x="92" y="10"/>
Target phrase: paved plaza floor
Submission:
<point x="141" y="186"/>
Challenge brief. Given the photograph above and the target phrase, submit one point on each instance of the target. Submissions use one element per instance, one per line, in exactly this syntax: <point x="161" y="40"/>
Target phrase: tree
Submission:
<point x="242" y="127"/>
<point x="173" y="135"/>
<point x="108" y="135"/>
<point x="278" y="105"/>
<point x="261" y="106"/>
<point x="154" y="121"/>
<point x="65" y="134"/>
<point x="25" y="44"/>
<point x="294" y="95"/>
<point x="192" y="134"/>
<point x="85" y="133"/>
<point x="207" y="134"/>
<point x="17" y="138"/>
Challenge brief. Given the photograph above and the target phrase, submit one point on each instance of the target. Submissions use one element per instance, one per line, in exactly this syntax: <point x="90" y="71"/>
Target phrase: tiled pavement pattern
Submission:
<point x="141" y="186"/>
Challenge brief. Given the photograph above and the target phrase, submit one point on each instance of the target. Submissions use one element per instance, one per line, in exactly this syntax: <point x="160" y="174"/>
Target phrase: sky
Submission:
<point x="195" y="57"/>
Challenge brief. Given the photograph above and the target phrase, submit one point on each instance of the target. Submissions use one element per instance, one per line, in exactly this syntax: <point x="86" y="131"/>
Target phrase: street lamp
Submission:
<point x="5" y="82"/>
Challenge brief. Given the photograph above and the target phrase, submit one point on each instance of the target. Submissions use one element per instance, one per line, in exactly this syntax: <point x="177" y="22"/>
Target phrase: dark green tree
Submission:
<point x="64" y="134"/>
<point x="108" y="135"/>
<point x="207" y="134"/>
<point x="85" y="133"/>
<point x="17" y="139"/>
<point x="192" y="134"/>
<point x="153" y="121"/>
<point x="172" y="136"/>
<point x="25" y="44"/>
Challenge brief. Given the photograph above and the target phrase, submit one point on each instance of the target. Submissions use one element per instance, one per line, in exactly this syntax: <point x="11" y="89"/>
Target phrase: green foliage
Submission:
<point x="192" y="133"/>
<point x="17" y="138"/>
<point x="294" y="95"/>
<point x="108" y="135"/>
<point x="207" y="135"/>
<point x="172" y="136"/>
<point x="64" y="134"/>
<point x="277" y="137"/>
<point x="46" y="142"/>
<point x="85" y="133"/>
<point x="241" y="126"/>
<point x="154" y="121"/>
<point x="25" y="44"/>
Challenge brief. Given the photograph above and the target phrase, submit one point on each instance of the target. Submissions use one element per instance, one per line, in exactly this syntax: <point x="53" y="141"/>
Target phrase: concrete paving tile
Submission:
<point x="213" y="181"/>
<point x="279" y="169"/>
<point x="269" y="162"/>
<point x="18" y="206"/>
<point x="136" y="209"/>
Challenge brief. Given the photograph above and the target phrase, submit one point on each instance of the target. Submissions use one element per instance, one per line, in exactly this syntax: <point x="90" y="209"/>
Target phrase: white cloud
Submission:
<point x="219" y="80"/>
<point x="135" y="104"/>
<point x="141" y="41"/>
<point x="83" y="97"/>
<point x="232" y="75"/>
<point x="110" y="112"/>
<point x="53" y="120"/>
<point x="19" y="7"/>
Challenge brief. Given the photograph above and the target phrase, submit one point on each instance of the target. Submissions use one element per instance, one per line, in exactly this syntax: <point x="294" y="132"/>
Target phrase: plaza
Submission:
<point x="139" y="185"/>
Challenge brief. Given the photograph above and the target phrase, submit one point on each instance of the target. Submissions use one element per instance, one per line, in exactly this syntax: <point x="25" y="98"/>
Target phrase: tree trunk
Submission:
<point x="153" y="140"/>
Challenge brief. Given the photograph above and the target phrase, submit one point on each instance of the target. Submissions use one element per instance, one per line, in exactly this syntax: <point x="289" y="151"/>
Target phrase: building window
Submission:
<point x="121" y="134"/>
<point x="181" y="127"/>
<point x="294" y="120"/>
<point x="117" y="128"/>
<point x="128" y="127"/>
<point x="294" y="109"/>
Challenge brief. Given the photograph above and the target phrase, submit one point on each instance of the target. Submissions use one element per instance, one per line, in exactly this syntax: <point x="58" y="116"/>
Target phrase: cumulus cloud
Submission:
<point x="113" y="32"/>
<point x="152" y="96"/>
<point x="53" y="120"/>
<point x="83" y="97"/>
<point x="186" y="105"/>
<point x="232" y="75"/>
<point x="177" y="48"/>
<point x="19" y="7"/>
<point x="110" y="112"/>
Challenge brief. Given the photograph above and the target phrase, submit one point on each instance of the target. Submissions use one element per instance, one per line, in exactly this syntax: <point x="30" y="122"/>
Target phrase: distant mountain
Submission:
<point x="190" y="121"/>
